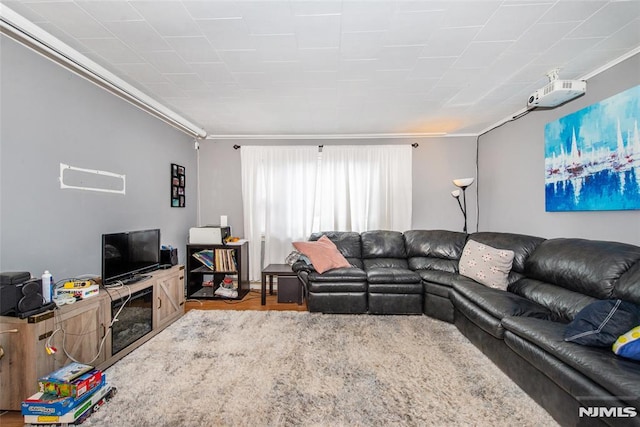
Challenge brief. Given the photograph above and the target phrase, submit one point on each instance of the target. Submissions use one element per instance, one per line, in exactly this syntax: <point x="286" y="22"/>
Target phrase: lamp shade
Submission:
<point x="463" y="182"/>
<point x="455" y="193"/>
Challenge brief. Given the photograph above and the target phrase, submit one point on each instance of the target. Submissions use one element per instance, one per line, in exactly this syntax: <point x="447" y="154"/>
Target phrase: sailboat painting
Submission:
<point x="592" y="157"/>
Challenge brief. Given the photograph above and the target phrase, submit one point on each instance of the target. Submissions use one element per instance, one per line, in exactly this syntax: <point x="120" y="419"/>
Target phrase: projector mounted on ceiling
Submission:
<point x="557" y="92"/>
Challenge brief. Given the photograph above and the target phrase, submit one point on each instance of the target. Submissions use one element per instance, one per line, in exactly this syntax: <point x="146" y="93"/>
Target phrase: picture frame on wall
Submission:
<point x="592" y="156"/>
<point x="178" y="181"/>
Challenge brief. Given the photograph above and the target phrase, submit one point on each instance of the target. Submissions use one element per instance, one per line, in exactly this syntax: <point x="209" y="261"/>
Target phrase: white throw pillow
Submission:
<point x="486" y="265"/>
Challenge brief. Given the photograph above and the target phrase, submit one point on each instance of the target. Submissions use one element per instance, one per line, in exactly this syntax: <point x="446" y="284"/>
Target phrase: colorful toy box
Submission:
<point x="75" y="415"/>
<point x="74" y="388"/>
<point x="53" y="405"/>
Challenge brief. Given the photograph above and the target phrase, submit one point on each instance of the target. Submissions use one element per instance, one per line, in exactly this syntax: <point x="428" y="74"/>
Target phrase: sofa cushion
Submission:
<point x="628" y="344"/>
<point x="485" y="264"/>
<point x="589" y="267"/>
<point x="476" y="315"/>
<point x="521" y="245"/>
<point x="497" y="302"/>
<point x="347" y="242"/>
<point x="434" y="249"/>
<point x="385" y="263"/>
<point x="627" y="287"/>
<point x="395" y="288"/>
<point x="323" y="254"/>
<point x="392" y="275"/>
<point x="601" y="323"/>
<point x="619" y="376"/>
<point x="383" y="244"/>
<point x="563" y="303"/>
<point x="349" y="274"/>
<point x="440" y="277"/>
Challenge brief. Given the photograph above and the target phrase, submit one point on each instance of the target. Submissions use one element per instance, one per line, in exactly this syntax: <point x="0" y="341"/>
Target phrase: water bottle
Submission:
<point x="47" y="286"/>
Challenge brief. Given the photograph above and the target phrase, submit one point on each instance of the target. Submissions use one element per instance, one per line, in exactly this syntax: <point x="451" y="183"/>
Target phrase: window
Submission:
<point x="290" y="191"/>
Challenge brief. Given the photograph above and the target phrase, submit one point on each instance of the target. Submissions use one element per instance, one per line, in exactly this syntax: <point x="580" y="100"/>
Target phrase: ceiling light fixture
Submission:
<point x="20" y="29"/>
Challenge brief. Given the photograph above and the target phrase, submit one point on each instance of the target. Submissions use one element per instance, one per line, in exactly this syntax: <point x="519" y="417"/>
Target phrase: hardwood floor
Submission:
<point x="250" y="302"/>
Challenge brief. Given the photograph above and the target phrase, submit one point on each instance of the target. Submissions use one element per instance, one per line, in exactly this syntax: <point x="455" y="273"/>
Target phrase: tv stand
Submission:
<point x="85" y="325"/>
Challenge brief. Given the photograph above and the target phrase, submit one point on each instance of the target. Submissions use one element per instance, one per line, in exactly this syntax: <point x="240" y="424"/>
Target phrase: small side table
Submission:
<point x="271" y="271"/>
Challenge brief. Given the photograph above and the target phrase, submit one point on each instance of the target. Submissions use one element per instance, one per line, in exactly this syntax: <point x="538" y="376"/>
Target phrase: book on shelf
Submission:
<point x="206" y="257"/>
<point x="225" y="260"/>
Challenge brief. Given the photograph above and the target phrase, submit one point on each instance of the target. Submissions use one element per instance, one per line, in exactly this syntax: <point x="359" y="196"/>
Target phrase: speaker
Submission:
<point x="30" y="295"/>
<point x="21" y="299"/>
<point x="169" y="256"/>
<point x="289" y="289"/>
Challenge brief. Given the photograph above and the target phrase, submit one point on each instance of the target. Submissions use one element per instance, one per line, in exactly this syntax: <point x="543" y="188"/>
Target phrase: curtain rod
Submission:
<point x="414" y="145"/>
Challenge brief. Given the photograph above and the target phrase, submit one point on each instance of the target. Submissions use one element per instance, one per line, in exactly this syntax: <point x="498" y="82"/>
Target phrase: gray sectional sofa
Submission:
<point x="520" y="328"/>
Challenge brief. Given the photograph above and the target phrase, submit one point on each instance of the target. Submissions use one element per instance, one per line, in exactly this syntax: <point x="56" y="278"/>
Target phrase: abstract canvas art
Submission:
<point x="592" y="157"/>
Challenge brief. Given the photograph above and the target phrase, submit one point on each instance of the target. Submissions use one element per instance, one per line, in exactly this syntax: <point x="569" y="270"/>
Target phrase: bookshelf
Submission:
<point x="208" y="265"/>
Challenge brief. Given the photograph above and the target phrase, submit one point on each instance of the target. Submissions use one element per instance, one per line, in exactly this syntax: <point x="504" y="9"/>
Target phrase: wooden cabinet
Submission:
<point x="204" y="276"/>
<point x="78" y="331"/>
<point x="168" y="297"/>
<point x="25" y="357"/>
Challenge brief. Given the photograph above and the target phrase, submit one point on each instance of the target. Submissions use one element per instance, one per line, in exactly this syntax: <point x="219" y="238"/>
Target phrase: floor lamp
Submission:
<point x="462" y="183"/>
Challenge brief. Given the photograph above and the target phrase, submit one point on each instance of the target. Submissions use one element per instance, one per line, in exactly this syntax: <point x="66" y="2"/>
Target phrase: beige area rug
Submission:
<point x="274" y="368"/>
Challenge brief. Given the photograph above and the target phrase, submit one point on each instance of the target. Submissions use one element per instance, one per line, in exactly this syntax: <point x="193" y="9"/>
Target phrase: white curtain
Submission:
<point x="365" y="188"/>
<point x="278" y="193"/>
<point x="290" y="191"/>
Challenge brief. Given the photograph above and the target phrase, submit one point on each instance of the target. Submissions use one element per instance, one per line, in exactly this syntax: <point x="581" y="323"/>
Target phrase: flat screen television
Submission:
<point x="127" y="255"/>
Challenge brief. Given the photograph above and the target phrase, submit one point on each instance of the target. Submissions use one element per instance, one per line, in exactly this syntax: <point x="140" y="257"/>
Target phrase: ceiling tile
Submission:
<point x="318" y="31"/>
<point x="562" y="52"/>
<point x="571" y="11"/>
<point x="276" y="47"/>
<point x="112" y="50"/>
<point x="412" y="27"/>
<point x="213" y="72"/>
<point x="320" y="59"/>
<point x="138" y="35"/>
<point x="366" y="15"/>
<point x="186" y="81"/>
<point x="193" y="49"/>
<point x="105" y="11"/>
<point x="399" y="57"/>
<point x="168" y="18"/>
<point x="481" y="54"/>
<point x="316" y="7"/>
<point x="508" y="22"/>
<point x="541" y="37"/>
<point x="449" y="41"/>
<point x="241" y="60"/>
<point x="199" y="9"/>
<point x="167" y="61"/>
<point x="431" y="68"/>
<point x="142" y="72"/>
<point x="469" y="13"/>
<point x="229" y="33"/>
<point x="625" y="38"/>
<point x="267" y="17"/>
<point x="72" y="18"/>
<point x="361" y="44"/>
<point x="608" y="19"/>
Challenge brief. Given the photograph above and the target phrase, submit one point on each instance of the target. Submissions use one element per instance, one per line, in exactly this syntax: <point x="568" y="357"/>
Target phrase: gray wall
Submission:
<point x="511" y="164"/>
<point x="51" y="116"/>
<point x="435" y="163"/>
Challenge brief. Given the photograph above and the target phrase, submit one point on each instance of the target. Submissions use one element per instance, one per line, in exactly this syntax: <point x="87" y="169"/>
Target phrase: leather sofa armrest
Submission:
<point x="299" y="266"/>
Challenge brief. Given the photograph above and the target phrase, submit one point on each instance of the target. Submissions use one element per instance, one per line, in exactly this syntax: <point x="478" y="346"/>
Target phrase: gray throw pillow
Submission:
<point x="486" y="265"/>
